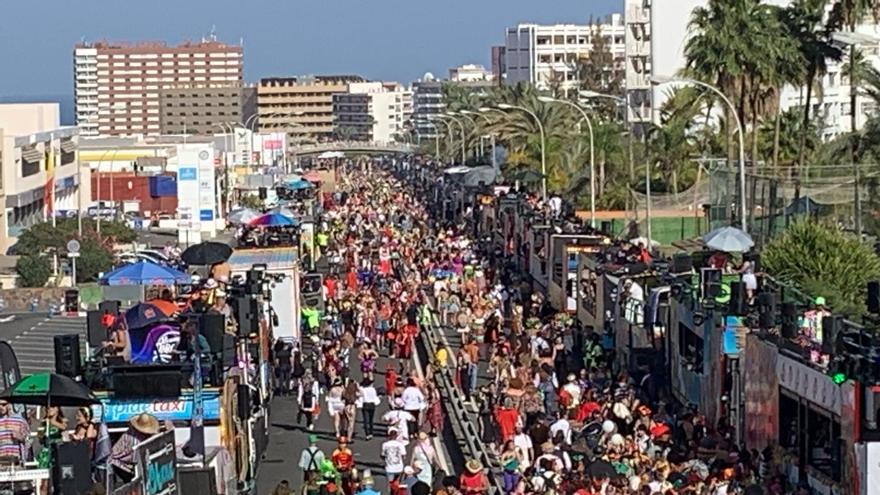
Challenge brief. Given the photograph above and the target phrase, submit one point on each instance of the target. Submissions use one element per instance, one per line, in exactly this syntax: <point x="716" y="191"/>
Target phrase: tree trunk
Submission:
<point x="805" y="125"/>
<point x="602" y="175"/>
<point x="853" y="93"/>
<point x="675" y="183"/>
<point x="776" y="128"/>
<point x="754" y="151"/>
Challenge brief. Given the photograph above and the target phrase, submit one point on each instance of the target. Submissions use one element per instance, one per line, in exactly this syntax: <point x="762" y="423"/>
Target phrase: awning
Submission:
<point x="31" y="155"/>
<point x="68" y="146"/>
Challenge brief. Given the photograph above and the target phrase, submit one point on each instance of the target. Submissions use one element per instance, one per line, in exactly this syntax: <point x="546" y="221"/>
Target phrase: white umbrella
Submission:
<point x="729" y="240"/>
<point x="642" y="240"/>
<point x="243" y="216"/>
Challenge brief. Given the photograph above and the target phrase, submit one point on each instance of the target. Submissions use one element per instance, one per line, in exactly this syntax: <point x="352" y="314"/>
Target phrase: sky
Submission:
<point x="393" y="40"/>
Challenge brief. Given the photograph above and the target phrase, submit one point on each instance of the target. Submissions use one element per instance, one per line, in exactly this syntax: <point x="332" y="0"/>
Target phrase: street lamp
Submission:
<point x="659" y="80"/>
<point x="491" y="134"/>
<point x="463" y="138"/>
<point x="505" y="106"/>
<point x="464" y="114"/>
<point x="547" y="99"/>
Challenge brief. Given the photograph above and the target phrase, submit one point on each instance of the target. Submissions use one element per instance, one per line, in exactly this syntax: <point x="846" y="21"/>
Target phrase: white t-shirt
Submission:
<point x="413" y="399"/>
<point x="563" y="426"/>
<point x="397" y="419"/>
<point x="523" y="444"/>
<point x="394" y="452"/>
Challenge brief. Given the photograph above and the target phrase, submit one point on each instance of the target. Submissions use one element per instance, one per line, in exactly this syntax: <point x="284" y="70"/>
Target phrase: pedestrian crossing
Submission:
<point x="35" y="347"/>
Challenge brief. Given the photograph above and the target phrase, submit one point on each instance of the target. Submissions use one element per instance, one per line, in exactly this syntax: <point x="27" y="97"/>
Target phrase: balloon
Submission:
<point x="617" y="439"/>
<point x="608" y="426"/>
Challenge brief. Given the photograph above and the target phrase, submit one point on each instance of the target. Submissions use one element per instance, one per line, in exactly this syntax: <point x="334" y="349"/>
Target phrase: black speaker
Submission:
<point x="832" y="325"/>
<point x="229" y="351"/>
<point x="97" y="332"/>
<point x="68" y="361"/>
<point x="873" y="301"/>
<point x="737" y="305"/>
<point x="71" y="470"/>
<point x="197" y="480"/>
<point x="246" y="310"/>
<point x="711" y="281"/>
<point x="213" y="326"/>
<point x="143" y="382"/>
<point x="243" y="402"/>
<point x="263" y="193"/>
<point x="789" y="320"/>
<point x="71" y="301"/>
<point x="110" y="306"/>
<point x="766" y="310"/>
<point x="607" y="227"/>
<point x="682" y="263"/>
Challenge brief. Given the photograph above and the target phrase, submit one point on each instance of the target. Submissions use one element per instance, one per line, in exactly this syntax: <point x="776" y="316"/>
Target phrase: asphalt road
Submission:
<point x="287" y="439"/>
<point x="31" y="336"/>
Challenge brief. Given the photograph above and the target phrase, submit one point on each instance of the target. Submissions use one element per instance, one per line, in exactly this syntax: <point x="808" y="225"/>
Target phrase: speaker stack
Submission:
<point x="789" y="320"/>
<point x="246" y="311"/>
<point x="737" y="305"/>
<point x="831" y="327"/>
<point x="711" y="282"/>
<point x="71" y="469"/>
<point x="68" y="361"/>
<point x="766" y="310"/>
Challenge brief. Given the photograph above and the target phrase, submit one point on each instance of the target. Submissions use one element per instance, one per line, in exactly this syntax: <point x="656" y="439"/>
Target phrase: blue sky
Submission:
<point x="379" y="39"/>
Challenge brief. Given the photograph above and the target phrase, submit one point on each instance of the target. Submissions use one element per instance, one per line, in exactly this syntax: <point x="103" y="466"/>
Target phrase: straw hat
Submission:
<point x="145" y="423"/>
<point x="474" y="466"/>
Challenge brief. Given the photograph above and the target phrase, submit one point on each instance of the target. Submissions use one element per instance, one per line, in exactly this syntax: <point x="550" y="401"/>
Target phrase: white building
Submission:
<point x="470" y="73"/>
<point x="40" y="173"/>
<point x="543" y="55"/>
<point x="656" y="35"/>
<point x="428" y="100"/>
<point x="372" y="111"/>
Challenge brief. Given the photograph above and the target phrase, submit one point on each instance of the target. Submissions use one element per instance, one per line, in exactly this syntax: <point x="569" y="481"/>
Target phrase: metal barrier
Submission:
<point x="462" y="422"/>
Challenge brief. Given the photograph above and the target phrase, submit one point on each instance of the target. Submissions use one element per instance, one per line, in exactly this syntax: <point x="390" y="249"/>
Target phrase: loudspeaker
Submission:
<point x="253" y="283"/>
<point x="873" y="301"/>
<point x="789" y="320"/>
<point x="711" y="282"/>
<point x="197" y="480"/>
<point x="607" y="228"/>
<point x="97" y="332"/>
<point x="71" y="471"/>
<point x="68" y="361"/>
<point x="111" y="306"/>
<point x="246" y="310"/>
<point x="766" y="310"/>
<point x="243" y="402"/>
<point x="71" y="301"/>
<point x="229" y="351"/>
<point x="213" y="326"/>
<point x="143" y="382"/>
<point x="737" y="304"/>
<point x="832" y="325"/>
<point x="682" y="263"/>
<point x="263" y="193"/>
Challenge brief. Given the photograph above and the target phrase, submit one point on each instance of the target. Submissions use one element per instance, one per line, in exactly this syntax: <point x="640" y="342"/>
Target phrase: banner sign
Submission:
<point x="180" y="409"/>
<point x="154" y="345"/>
<point x="157" y="459"/>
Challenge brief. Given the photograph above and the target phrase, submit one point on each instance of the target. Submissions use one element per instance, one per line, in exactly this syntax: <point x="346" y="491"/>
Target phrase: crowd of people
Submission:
<point x="557" y="413"/>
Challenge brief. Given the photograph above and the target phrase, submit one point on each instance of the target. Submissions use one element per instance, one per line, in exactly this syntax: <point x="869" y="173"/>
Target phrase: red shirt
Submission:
<point x="343" y="460"/>
<point x="330" y="285"/>
<point x="507" y="420"/>
<point x="471" y="483"/>
<point x="352" y="279"/>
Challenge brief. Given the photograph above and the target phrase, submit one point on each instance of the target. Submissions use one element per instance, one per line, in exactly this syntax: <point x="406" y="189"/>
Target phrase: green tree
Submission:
<point x="251" y="201"/>
<point x="822" y="260"/>
<point x="33" y="270"/>
<point x="94" y="258"/>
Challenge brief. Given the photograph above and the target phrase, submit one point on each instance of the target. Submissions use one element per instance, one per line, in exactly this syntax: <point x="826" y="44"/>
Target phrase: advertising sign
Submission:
<point x="157" y="460"/>
<point x="188" y="173"/>
<point x="154" y="345"/>
<point x="180" y="409"/>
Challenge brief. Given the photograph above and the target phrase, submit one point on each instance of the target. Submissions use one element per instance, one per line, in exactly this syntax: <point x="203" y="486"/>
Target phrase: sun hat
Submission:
<point x="145" y="423"/>
<point x="474" y="466"/>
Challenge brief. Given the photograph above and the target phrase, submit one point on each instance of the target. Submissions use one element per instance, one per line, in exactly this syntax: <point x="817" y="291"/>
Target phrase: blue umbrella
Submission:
<point x="144" y="315"/>
<point x="144" y="273"/>
<point x="273" y="220"/>
<point x="299" y="184"/>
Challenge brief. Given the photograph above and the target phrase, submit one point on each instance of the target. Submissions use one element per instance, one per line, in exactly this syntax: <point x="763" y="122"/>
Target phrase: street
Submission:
<point x="31" y="337"/>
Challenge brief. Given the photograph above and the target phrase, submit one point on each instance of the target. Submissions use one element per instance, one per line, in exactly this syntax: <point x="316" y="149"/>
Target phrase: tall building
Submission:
<point x="118" y="85"/>
<point x="549" y="55"/>
<point x="370" y="111"/>
<point x="470" y="73"/>
<point x="40" y="174"/>
<point x="300" y="106"/>
<point x="200" y="110"/>
<point x="499" y="70"/>
<point x="657" y="32"/>
<point x="427" y="101"/>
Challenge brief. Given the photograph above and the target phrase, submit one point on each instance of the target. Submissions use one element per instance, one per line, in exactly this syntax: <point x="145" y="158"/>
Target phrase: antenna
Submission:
<point x="213" y="36"/>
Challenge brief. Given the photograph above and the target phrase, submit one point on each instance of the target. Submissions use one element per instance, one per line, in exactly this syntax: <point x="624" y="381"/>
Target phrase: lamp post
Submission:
<point x="464" y="114"/>
<point x="586" y="118"/>
<point x="505" y="106"/>
<point x="659" y="80"/>
<point x="491" y="134"/>
<point x="449" y="132"/>
<point x="463" y="137"/>
<point x="623" y="101"/>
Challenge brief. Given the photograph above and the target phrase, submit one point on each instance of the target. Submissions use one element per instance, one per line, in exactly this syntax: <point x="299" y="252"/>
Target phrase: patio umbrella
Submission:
<point x="243" y="216"/>
<point x="729" y="240"/>
<point x="145" y="314"/>
<point x="273" y="220"/>
<point x="144" y="273"/>
<point x="642" y="240"/>
<point x="45" y="389"/>
<point x="300" y="184"/>
<point x="206" y="253"/>
<point x="283" y="210"/>
<point x="312" y="176"/>
<point x="167" y="307"/>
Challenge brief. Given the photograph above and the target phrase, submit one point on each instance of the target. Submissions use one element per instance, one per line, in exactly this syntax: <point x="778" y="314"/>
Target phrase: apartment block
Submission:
<point x="548" y="55"/>
<point x="300" y="106"/>
<point x="371" y="111"/>
<point x="118" y="86"/>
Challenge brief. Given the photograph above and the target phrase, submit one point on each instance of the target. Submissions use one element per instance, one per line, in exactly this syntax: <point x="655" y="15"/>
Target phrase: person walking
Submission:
<point x="310" y="460"/>
<point x="368" y="399"/>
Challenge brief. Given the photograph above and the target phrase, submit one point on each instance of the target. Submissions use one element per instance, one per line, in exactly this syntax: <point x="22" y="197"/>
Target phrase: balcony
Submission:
<point x="635" y="80"/>
<point x="636" y="14"/>
<point x="637" y="47"/>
